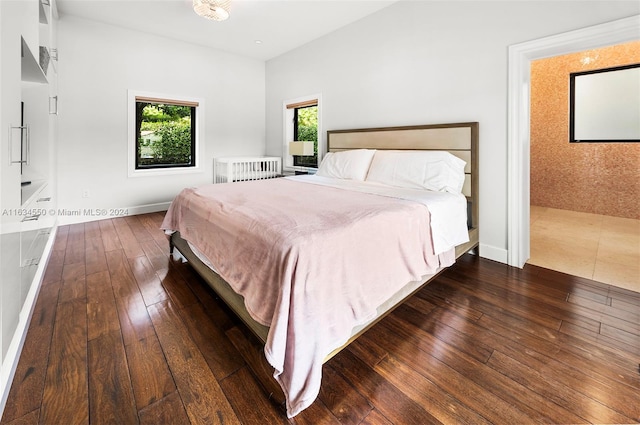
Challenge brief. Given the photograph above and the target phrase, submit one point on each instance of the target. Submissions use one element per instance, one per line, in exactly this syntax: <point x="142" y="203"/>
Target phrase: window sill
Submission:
<point x="164" y="171"/>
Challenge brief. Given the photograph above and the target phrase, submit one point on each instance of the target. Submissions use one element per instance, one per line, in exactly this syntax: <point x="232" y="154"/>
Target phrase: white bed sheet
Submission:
<point x="448" y="210"/>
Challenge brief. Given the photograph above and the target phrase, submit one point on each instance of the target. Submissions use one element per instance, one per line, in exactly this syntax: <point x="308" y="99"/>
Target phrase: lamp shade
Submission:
<point x="301" y="148"/>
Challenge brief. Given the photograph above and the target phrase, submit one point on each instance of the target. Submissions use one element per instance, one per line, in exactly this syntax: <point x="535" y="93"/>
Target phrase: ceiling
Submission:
<point x="259" y="29"/>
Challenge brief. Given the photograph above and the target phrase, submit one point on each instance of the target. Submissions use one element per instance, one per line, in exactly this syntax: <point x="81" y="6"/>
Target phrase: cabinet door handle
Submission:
<point x="33" y="217"/>
<point x="53" y="100"/>
<point x="48" y="198"/>
<point x="22" y="128"/>
<point x="28" y="143"/>
<point x="30" y="262"/>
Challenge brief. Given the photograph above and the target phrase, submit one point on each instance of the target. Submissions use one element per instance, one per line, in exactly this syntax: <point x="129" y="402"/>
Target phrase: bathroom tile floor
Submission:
<point x="602" y="248"/>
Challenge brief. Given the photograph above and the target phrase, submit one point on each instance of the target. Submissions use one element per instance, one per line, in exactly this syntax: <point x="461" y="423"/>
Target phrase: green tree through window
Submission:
<point x="165" y="135"/>
<point x="306" y="130"/>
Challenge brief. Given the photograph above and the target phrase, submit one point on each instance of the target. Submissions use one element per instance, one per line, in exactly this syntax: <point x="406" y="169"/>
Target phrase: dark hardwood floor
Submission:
<point x="123" y="334"/>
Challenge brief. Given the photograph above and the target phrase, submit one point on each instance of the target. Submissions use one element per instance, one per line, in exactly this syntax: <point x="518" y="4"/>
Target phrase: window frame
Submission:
<point x="289" y="131"/>
<point x="197" y="130"/>
<point x="295" y="133"/>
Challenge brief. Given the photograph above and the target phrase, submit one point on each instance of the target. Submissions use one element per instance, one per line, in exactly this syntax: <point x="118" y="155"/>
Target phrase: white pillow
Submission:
<point x="432" y="170"/>
<point x="352" y="165"/>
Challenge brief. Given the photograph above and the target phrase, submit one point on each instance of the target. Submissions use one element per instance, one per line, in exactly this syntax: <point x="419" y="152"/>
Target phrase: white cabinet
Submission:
<point x="28" y="128"/>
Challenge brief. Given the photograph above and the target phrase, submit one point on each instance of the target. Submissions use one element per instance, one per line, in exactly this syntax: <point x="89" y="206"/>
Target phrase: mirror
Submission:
<point x="605" y="105"/>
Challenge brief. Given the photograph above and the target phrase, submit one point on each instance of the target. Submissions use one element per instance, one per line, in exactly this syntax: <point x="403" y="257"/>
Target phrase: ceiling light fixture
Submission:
<point x="216" y="10"/>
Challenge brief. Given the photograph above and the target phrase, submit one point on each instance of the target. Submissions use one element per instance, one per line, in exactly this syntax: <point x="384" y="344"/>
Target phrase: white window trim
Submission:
<point x="287" y="125"/>
<point x="131" y="145"/>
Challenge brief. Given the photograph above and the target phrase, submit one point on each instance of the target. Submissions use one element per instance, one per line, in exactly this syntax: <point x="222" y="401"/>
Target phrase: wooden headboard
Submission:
<point x="461" y="139"/>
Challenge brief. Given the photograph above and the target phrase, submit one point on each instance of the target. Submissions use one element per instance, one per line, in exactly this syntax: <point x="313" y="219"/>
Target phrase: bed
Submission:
<point x="378" y="245"/>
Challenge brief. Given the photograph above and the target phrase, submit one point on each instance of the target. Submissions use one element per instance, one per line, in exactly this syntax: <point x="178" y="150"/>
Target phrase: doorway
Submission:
<point x="520" y="57"/>
<point x="585" y="200"/>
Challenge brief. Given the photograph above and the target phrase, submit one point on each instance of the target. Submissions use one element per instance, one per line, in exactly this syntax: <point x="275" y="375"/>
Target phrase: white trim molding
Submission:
<point x="520" y="57"/>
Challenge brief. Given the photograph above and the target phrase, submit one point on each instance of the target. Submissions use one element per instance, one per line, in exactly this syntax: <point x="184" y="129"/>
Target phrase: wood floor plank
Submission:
<point x="110" y="238"/>
<point x="158" y="256"/>
<point x="76" y="232"/>
<point x="92" y="230"/>
<point x="444" y="406"/>
<point x="612" y="394"/>
<point x="65" y="399"/>
<point x="369" y="354"/>
<point x="135" y="322"/>
<point x="168" y="410"/>
<point x="577" y="357"/>
<point x="480" y="388"/>
<point x="375" y="418"/>
<point x="317" y="413"/>
<point x="569" y="333"/>
<point x="177" y="288"/>
<point x="130" y="244"/>
<point x="214" y="307"/>
<point x="473" y="348"/>
<point x="589" y="409"/>
<point x="201" y="394"/>
<point x="95" y="259"/>
<point x="382" y="395"/>
<point x="589" y="313"/>
<point x="633" y="317"/>
<point x="30" y="418"/>
<point x="53" y="271"/>
<point x="62" y="236"/>
<point x="137" y="228"/>
<point x="102" y="314"/>
<point x="123" y="281"/>
<point x="253" y="354"/>
<point x="578" y="353"/>
<point x="148" y="281"/>
<point x="221" y="355"/>
<point x="150" y="375"/>
<point x="631" y="338"/>
<point x="347" y="406"/>
<point x="110" y="393"/>
<point x="511" y="305"/>
<point x="75" y="253"/>
<point x="73" y="282"/>
<point x="519" y="397"/>
<point x="152" y="224"/>
<point x="249" y="402"/>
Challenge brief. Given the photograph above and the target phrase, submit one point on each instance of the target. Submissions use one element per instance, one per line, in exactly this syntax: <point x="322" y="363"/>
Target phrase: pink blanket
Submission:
<point x="310" y="261"/>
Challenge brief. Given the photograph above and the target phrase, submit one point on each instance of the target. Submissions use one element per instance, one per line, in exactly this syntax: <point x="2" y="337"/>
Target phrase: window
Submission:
<point x="305" y="129"/>
<point x="302" y="124"/>
<point x="604" y="105"/>
<point x="163" y="134"/>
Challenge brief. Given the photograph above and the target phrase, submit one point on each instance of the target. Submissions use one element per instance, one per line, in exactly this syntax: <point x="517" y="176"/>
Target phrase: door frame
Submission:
<point x="518" y="162"/>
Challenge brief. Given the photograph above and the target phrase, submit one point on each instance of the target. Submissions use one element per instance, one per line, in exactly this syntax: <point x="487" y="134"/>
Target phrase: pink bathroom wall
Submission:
<point x="600" y="178"/>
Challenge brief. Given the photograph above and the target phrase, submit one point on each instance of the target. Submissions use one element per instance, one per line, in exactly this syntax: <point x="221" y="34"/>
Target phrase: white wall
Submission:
<point x="427" y="62"/>
<point x="98" y="64"/>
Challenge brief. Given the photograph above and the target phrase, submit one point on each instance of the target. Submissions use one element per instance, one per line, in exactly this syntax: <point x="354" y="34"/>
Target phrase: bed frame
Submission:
<point x="461" y="139"/>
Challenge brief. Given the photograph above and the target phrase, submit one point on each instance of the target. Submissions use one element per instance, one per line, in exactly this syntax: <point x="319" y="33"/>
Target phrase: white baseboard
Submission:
<point x="85" y="215"/>
<point x="492" y="253"/>
<point x="10" y="363"/>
